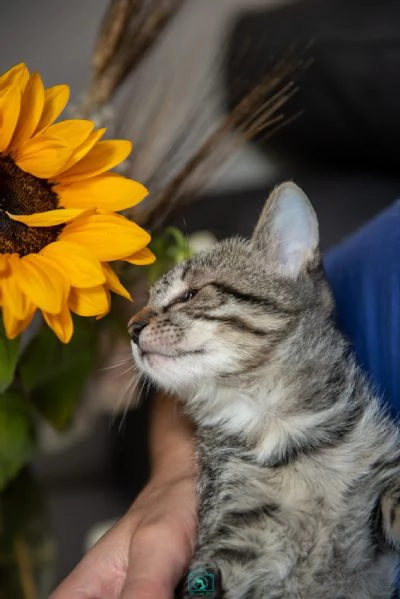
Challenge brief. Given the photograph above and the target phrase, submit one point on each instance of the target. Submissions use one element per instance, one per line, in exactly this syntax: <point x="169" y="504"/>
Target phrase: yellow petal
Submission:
<point x="114" y="283"/>
<point x="109" y="237"/>
<point x="89" y="302"/>
<point x="110" y="191"/>
<point x="13" y="326"/>
<point x="61" y="324"/>
<point x="31" y="110"/>
<point x="71" y="133"/>
<point x="10" y="103"/>
<point x="80" y="266"/>
<point x="142" y="257"/>
<point x="55" y="100"/>
<point x="108" y="294"/>
<point x="102" y="157"/>
<point x="48" y="218"/>
<point x="4" y="258"/>
<point x="43" y="282"/>
<point x="17" y="76"/>
<point x="42" y="159"/>
<point x="12" y="296"/>
<point x="14" y="299"/>
<point x="82" y="150"/>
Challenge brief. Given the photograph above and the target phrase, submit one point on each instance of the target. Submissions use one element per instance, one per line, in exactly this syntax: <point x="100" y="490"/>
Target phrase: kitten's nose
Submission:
<point x="135" y="328"/>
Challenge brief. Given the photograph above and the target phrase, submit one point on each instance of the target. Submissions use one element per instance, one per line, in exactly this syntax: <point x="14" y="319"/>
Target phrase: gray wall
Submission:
<point x="54" y="37"/>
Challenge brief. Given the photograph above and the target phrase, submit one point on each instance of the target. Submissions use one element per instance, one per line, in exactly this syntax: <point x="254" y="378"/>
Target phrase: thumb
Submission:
<point x="157" y="561"/>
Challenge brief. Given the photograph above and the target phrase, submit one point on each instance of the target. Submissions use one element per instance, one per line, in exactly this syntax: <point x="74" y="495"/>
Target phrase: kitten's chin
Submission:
<point x="170" y="371"/>
<point x="156" y="360"/>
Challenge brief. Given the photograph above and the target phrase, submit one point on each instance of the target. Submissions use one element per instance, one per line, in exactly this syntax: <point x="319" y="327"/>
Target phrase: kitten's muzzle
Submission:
<point x="134" y="330"/>
<point x="138" y="323"/>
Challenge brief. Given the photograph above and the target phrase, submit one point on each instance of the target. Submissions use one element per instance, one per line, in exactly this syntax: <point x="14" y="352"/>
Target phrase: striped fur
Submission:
<point x="299" y="486"/>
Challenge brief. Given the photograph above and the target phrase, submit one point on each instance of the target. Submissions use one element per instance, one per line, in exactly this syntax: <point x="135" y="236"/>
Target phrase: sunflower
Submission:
<point x="58" y="225"/>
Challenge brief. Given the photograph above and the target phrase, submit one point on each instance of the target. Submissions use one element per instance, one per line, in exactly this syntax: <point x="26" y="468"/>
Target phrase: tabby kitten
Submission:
<point x="299" y="486"/>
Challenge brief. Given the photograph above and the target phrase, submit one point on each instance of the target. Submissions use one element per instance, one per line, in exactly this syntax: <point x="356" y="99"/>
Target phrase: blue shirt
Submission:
<point x="364" y="273"/>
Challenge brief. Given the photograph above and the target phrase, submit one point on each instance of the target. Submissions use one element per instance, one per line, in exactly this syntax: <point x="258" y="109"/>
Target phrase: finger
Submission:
<point x="87" y="581"/>
<point x="156" y="563"/>
<point x="101" y="573"/>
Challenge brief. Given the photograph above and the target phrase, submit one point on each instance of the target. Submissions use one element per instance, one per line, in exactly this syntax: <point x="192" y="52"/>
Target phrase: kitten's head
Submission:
<point x="221" y="314"/>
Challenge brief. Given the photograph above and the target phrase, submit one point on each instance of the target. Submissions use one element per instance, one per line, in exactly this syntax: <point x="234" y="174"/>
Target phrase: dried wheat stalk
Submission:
<point x="260" y="111"/>
<point x="129" y="28"/>
<point x="112" y="29"/>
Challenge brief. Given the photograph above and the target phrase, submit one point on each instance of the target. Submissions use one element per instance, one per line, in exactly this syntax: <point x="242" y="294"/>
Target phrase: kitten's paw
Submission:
<point x="390" y="508"/>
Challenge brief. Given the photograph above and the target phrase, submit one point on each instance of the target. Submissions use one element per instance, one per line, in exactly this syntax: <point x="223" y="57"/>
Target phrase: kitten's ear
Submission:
<point x="287" y="230"/>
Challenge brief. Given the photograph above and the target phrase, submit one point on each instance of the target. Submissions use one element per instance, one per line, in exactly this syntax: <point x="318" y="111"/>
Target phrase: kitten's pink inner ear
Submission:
<point x="288" y="229"/>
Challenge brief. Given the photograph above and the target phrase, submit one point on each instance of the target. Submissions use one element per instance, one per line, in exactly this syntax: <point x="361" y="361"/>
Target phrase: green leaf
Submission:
<point x="16" y="436"/>
<point x="54" y="373"/>
<point x="8" y="358"/>
<point x="170" y="247"/>
<point x="26" y="547"/>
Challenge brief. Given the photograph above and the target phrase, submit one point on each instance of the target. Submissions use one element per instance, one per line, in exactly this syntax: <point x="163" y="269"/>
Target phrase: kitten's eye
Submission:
<point x="185" y="297"/>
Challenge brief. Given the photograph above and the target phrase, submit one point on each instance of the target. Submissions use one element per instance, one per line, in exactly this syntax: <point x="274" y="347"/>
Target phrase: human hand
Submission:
<point x="146" y="553"/>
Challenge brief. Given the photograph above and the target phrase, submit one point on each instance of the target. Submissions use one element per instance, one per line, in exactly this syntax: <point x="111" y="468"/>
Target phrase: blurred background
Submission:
<point x="333" y="67"/>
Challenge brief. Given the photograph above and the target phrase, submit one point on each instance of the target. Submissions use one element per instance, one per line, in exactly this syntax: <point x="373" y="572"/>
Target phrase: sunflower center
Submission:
<point x="22" y="193"/>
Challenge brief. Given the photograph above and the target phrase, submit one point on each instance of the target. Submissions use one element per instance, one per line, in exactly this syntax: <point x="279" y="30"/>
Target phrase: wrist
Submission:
<point x="172" y="447"/>
<point x="173" y="460"/>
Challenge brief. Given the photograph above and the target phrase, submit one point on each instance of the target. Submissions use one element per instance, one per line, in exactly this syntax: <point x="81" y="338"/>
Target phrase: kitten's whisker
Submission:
<point x="126" y="371"/>
<point x="131" y="387"/>
<point x="133" y="384"/>
<point x="132" y="401"/>
<point x="117" y="365"/>
<point x="187" y="245"/>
